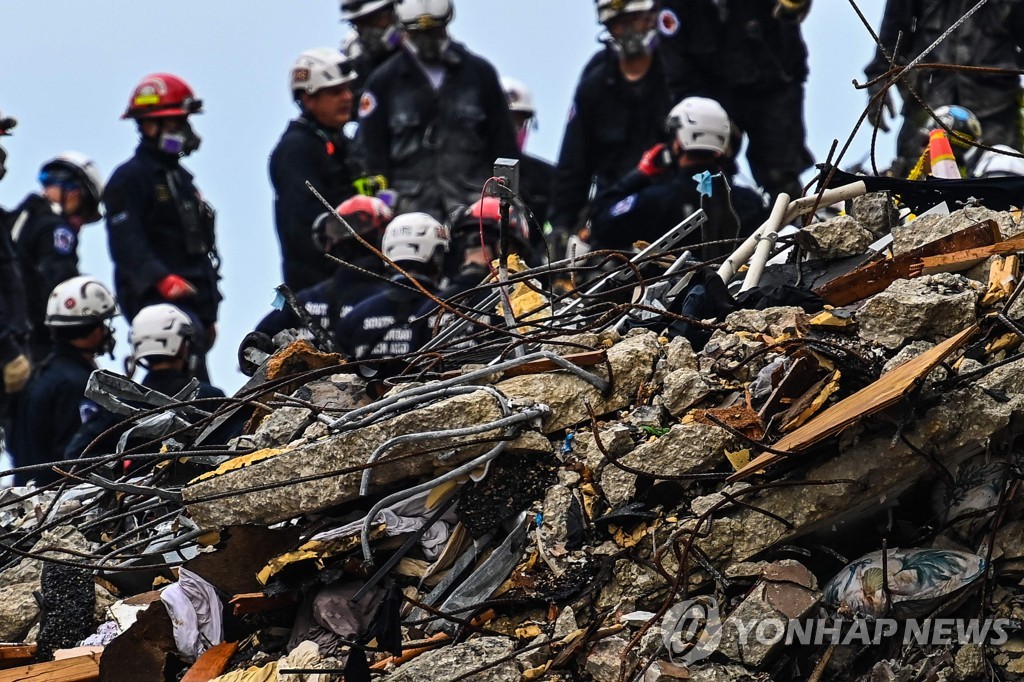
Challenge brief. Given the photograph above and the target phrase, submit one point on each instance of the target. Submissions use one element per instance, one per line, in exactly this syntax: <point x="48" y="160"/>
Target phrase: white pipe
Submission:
<point x="745" y="250"/>
<point x="806" y="204"/>
<point x="766" y="242"/>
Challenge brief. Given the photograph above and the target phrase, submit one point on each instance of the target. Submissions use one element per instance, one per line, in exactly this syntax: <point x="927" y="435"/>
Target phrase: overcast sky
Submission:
<point x="69" y="67"/>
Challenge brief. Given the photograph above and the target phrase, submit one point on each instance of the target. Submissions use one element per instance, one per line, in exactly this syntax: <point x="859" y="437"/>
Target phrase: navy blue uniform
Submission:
<point x="14" y="324"/>
<point x="47" y="248"/>
<point x="307" y="151"/>
<point x="469" y="277"/>
<point x="754" y="65"/>
<point x="612" y="123"/>
<point x="436" y="146"/>
<point x="536" y="180"/>
<point x="386" y="324"/>
<point x="46" y="415"/>
<point x="326" y="303"/>
<point x="96" y="420"/>
<point x="158" y="225"/>
<point x="641" y="208"/>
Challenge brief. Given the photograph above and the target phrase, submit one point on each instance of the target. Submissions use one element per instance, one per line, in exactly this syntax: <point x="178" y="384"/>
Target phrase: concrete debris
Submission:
<point x="597" y="497"/>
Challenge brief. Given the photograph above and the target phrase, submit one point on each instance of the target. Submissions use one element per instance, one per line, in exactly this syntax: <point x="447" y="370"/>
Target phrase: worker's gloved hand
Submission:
<point x="16" y="374"/>
<point x="173" y="287"/>
<point x="881" y="106"/>
<point x="655" y="161"/>
<point x="791" y="10"/>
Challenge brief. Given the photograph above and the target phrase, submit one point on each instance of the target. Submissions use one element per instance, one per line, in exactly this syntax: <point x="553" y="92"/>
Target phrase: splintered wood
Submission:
<point x="885" y="392"/>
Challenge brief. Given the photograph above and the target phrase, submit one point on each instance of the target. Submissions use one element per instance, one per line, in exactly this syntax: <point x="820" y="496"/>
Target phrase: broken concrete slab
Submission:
<point x="931" y="308"/>
<point x="875" y="212"/>
<point x="929" y="228"/>
<point x="683" y="389"/>
<point x="453" y="661"/>
<point x="605" y="659"/>
<point x="838" y="237"/>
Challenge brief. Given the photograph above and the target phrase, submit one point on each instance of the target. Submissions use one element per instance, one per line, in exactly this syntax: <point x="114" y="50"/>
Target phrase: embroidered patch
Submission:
<point x="668" y="23"/>
<point x="624" y="206"/>
<point x="163" y="194"/>
<point x="367" y="104"/>
<point x="87" y="409"/>
<point x="63" y="240"/>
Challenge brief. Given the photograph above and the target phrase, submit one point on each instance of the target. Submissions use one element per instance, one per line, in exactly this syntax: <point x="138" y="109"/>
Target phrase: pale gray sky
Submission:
<point x="69" y="66"/>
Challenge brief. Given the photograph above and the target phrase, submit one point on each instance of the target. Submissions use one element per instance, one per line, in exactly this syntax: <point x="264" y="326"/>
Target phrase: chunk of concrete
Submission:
<point x="875" y="212"/>
<point x="931" y="308"/>
<point x="838" y="237"/>
<point x="606" y="657"/>
<point x="684" y="388"/>
<point x="452" y="662"/>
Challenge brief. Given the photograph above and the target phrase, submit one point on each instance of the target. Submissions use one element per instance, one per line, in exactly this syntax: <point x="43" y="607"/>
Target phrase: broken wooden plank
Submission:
<point x="875" y="277"/>
<point x="257" y="602"/>
<point x="211" y="663"/>
<point x="1003" y="277"/>
<point x="887" y="391"/>
<point x="16" y="654"/>
<point x="78" y="669"/>
<point x="968" y="258"/>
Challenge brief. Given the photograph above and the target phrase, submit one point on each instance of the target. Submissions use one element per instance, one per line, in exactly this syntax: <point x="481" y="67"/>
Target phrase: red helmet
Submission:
<point x="368" y="216"/>
<point x="466" y="223"/>
<point x="161" y="95"/>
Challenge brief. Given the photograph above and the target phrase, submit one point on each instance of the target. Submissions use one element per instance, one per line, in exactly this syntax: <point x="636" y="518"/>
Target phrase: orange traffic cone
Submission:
<point x="940" y="154"/>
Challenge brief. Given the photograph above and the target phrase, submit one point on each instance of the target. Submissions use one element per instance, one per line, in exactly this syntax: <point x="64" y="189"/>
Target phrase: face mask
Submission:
<point x="429" y="48"/>
<point x="521" y="136"/>
<point x="181" y="142"/>
<point x="633" y="44"/>
<point x="380" y="41"/>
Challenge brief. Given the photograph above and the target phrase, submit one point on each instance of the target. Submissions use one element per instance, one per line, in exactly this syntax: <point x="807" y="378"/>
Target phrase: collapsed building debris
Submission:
<point x="657" y="478"/>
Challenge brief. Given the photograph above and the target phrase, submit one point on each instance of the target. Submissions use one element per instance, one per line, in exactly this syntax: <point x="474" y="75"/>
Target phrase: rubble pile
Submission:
<point x="789" y="484"/>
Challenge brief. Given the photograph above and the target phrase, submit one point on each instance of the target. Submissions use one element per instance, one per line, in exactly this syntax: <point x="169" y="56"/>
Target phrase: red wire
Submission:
<point x="483" y="195"/>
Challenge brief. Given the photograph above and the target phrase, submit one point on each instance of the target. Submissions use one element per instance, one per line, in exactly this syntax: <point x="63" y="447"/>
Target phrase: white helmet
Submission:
<point x="700" y="123"/>
<point x="519" y="97"/>
<point x="79" y="301"/>
<point x="414" y="237"/>
<point x="319" y="68"/>
<point x="78" y="169"/>
<point x="996" y="165"/>
<point x="159" y="331"/>
<point x="353" y="9"/>
<point x="609" y="9"/>
<point x="420" y="15"/>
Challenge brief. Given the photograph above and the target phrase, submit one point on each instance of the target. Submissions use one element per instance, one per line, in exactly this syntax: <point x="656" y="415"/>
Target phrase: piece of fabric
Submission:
<point x="196" y="613"/>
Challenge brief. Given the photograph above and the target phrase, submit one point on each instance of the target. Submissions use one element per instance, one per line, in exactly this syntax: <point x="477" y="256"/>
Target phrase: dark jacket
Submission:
<point x="14" y="322"/>
<point x="307" y="151"/>
<point x="536" y="177"/>
<point x="157" y="225"/>
<point x="611" y="124"/>
<point x="48" y="412"/>
<point x="640" y="208"/>
<point x="326" y="302"/>
<point x="713" y="46"/>
<point x="47" y="248"/>
<point x="990" y="38"/>
<point x="436" y="147"/>
<point x="386" y="325"/>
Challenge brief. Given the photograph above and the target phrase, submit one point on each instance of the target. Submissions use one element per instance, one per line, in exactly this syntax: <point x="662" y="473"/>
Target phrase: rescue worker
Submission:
<point x="330" y="300"/>
<point x="312" y="149"/>
<point x="750" y="56"/>
<point x="48" y="413"/>
<point x="475" y="234"/>
<point x="662" y="191"/>
<point x="965" y="132"/>
<point x="376" y="36"/>
<point x="160" y="338"/>
<point x="618" y="111"/>
<point x="535" y="174"/>
<point x="385" y="325"/>
<point x="14" y="324"/>
<point x="45" y="231"/>
<point x="991" y="38"/>
<point x="160" y="230"/>
<point x="433" y="118"/>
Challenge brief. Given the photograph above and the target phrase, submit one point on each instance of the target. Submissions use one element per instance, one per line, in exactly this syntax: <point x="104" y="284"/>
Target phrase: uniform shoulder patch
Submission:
<point x="367" y="104"/>
<point x="668" y="23"/>
<point x="87" y="410"/>
<point x="64" y="240"/>
<point x="624" y="206"/>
